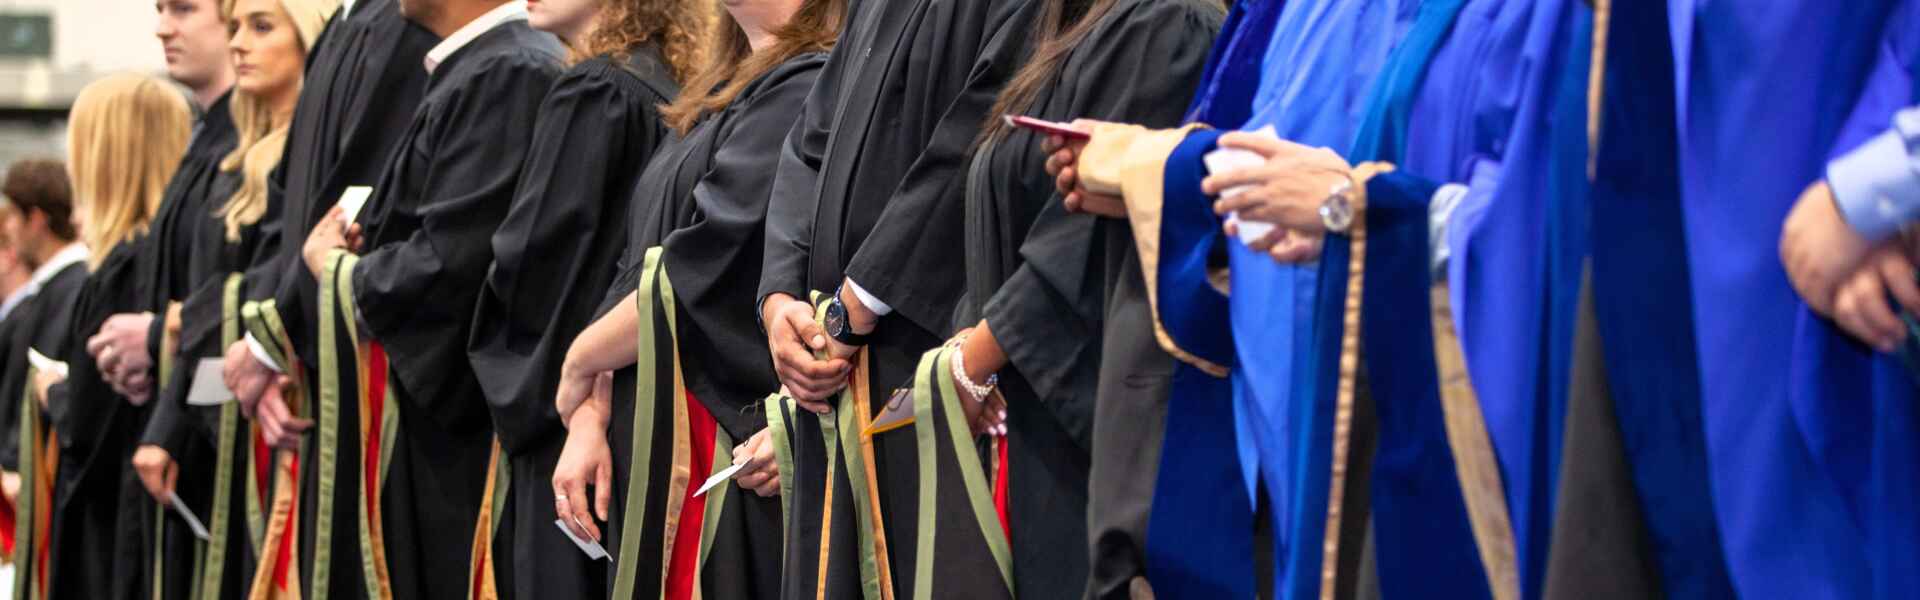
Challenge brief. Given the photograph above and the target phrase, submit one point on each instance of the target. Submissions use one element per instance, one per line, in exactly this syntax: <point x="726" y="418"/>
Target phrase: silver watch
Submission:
<point x="1336" y="211"/>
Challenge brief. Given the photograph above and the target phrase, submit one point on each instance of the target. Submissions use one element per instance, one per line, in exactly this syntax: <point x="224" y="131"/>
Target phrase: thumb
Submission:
<point x="808" y="330"/>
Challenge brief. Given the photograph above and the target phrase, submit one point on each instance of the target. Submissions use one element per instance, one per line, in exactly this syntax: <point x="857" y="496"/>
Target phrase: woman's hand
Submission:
<point x="579" y="386"/>
<point x="158" y="472"/>
<point x="43" y="382"/>
<point x="245" y="376"/>
<point x="1062" y="156"/>
<point x="1286" y="191"/>
<point x="585" y="460"/>
<point x="327" y="235"/>
<point x="278" y="427"/>
<point x="982" y="357"/>
<point x="761" y="475"/>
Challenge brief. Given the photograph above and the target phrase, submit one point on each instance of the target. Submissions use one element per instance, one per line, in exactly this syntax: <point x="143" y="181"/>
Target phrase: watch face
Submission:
<point x="836" y="319"/>
<point x="1336" y="213"/>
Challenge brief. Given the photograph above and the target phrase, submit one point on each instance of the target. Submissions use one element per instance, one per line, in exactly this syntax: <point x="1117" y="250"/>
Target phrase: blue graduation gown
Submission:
<point x="1808" y="433"/>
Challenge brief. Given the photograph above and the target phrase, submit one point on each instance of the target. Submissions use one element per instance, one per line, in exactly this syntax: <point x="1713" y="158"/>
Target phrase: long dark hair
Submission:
<point x="732" y="64"/>
<point x="1063" y="26"/>
<point x="673" y="25"/>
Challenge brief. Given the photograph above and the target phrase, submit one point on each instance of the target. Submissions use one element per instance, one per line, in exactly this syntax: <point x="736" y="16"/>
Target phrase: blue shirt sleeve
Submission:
<point x="1877" y="186"/>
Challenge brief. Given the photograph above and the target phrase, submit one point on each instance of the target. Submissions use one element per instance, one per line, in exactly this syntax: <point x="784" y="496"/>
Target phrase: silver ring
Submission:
<point x="560" y="497"/>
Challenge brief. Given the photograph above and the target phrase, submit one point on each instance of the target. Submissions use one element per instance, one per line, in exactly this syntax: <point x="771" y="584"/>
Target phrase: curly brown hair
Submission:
<point x="732" y="63"/>
<point x="673" y="25"/>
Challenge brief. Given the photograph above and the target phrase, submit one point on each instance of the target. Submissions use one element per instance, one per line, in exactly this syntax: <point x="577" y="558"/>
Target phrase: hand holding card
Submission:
<point x="1048" y="127"/>
<point x="1233" y="159"/>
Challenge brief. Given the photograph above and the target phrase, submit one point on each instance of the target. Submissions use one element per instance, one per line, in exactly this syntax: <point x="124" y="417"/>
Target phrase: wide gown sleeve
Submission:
<point x="913" y="258"/>
<point x="554" y="255"/>
<point x="712" y="266"/>
<point x="1143" y="71"/>
<point x="413" y="292"/>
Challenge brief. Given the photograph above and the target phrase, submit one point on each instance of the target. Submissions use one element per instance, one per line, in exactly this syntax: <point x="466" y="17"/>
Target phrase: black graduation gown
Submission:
<point x="703" y="200"/>
<point x="1042" y="278"/>
<point x="13" y="366"/>
<point x="429" y="227"/>
<point x="175" y="264"/>
<point x="101" y="512"/>
<point x="197" y="428"/>
<point x="363" y="83"/>
<point x="554" y="257"/>
<point x="861" y="193"/>
<point x="46" y="316"/>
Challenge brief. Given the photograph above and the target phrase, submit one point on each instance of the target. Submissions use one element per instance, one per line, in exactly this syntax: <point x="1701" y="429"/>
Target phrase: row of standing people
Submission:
<point x="538" y="325"/>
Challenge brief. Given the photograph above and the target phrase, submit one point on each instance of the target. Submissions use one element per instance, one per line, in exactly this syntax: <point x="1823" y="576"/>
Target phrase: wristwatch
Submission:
<point x="838" y="326"/>
<point x="1336" y="211"/>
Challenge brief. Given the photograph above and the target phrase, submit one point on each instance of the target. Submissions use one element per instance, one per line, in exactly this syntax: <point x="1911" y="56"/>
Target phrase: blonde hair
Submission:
<point x="126" y="134"/>
<point x="260" y="141"/>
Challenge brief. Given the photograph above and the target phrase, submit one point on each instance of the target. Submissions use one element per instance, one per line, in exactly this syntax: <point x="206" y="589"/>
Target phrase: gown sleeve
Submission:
<point x="796" y="186"/>
<point x="913" y="258"/>
<point x="84" y="413"/>
<point x="553" y="254"/>
<point x="412" y="292"/>
<point x="710" y="262"/>
<point x="1142" y="72"/>
<point x="13" y="355"/>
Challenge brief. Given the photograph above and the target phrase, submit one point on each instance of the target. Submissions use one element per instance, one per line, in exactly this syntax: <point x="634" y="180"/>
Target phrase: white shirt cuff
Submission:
<point x="260" y="354"/>
<point x="873" y="303"/>
<point x="1439" y="211"/>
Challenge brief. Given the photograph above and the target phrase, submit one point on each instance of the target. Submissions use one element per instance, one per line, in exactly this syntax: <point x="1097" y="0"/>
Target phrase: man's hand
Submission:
<point x="761" y="475"/>
<point x="585" y="459"/>
<point x="1062" y="156"/>
<point x="1860" y="305"/>
<point x="245" y="376"/>
<point x="1819" y="250"/>
<point x="278" y="427"/>
<point x="120" y="348"/>
<point x="327" y="235"/>
<point x="860" y="320"/>
<point x="793" y="337"/>
<point x="1287" y="190"/>
<point x="158" y="472"/>
<point x="1286" y="246"/>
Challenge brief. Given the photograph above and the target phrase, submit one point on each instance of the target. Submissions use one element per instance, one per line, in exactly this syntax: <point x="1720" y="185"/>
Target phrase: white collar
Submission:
<point x="346" y="8"/>
<point x="511" y="11"/>
<point x="73" y="253"/>
<point x="13" y="300"/>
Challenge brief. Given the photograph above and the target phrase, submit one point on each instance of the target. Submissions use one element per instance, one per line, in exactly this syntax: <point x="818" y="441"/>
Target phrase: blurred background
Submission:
<point x="49" y="49"/>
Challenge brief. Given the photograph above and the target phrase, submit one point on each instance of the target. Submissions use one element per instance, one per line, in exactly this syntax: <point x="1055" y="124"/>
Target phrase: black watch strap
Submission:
<point x="839" y="327"/>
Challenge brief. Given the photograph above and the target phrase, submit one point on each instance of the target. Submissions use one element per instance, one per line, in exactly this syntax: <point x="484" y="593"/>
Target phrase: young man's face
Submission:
<point x="195" y="40"/>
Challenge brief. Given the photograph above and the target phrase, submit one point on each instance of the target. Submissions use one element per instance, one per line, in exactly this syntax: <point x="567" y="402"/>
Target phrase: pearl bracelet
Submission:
<point x="960" y="373"/>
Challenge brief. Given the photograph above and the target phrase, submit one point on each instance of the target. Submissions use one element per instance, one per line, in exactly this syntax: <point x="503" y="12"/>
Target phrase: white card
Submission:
<point x="593" y="549"/>
<point x="199" y="531"/>
<point x="718" y="478"/>
<point x="209" y="385"/>
<point x="1229" y="159"/>
<point x="44" y="364"/>
<point x="351" y="201"/>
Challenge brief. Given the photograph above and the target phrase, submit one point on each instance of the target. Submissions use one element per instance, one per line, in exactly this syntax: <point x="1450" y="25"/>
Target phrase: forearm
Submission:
<point x="606" y="344"/>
